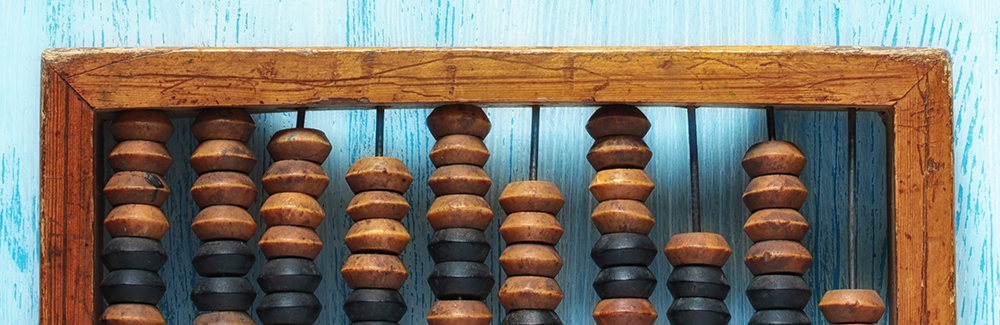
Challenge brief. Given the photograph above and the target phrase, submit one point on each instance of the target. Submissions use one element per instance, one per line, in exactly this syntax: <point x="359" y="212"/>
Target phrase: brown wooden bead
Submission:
<point x="295" y="176"/>
<point x="530" y="292"/>
<point x="140" y="155"/>
<point x="132" y="314"/>
<point x="458" y="119"/>
<point x="531" y="259"/>
<point x="776" y="224"/>
<point x="292" y="209"/>
<point x="531" y="227"/>
<point x="778" y="257"/>
<point x="379" y="174"/>
<point x="222" y="155"/>
<point x="378" y="204"/>
<point x="224" y="318"/>
<point x="622" y="216"/>
<point x="374" y="271"/>
<point x="621" y="184"/>
<point x="697" y="248"/>
<point x="460" y="179"/>
<point x="459" y="312"/>
<point x="460" y="211"/>
<point x="377" y="236"/>
<point x="619" y="151"/>
<point x="299" y="144"/>
<point x="775" y="191"/>
<point x="774" y="157"/>
<point x="136" y="220"/>
<point x="224" y="188"/>
<point x="130" y="187"/>
<point x="290" y="241"/>
<point x="224" y="222"/>
<point x="852" y="306"/>
<point x="149" y="125"/>
<point x="625" y="311"/>
<point x="223" y="124"/>
<point x="458" y="149"/>
<point x="617" y="120"/>
<point x="531" y="196"/>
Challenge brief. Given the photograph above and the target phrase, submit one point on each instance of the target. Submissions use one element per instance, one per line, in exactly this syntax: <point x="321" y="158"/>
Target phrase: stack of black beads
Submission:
<point x="697" y="283"/>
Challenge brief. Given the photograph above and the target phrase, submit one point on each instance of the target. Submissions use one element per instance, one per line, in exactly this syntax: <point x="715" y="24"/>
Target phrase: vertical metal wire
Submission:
<point x="852" y="198"/>
<point x="771" y="128"/>
<point x="533" y="159"/>
<point x="300" y="118"/>
<point x="695" y="183"/>
<point x="379" y="130"/>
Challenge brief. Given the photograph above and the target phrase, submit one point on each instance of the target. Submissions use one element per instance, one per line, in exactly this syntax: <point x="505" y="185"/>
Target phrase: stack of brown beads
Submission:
<point x="697" y="283"/>
<point x="136" y="190"/>
<point x="777" y="259"/>
<point x="292" y="214"/>
<point x="852" y="307"/>
<point x="531" y="293"/>
<point x="374" y="270"/>
<point x="459" y="215"/>
<point x="624" y="250"/>
<point x="223" y="191"/>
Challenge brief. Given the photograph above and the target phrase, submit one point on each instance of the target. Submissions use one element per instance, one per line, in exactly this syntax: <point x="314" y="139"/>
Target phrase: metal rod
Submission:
<point x="379" y="130"/>
<point x="533" y="160"/>
<point x="852" y="198"/>
<point x="300" y="118"/>
<point x="695" y="187"/>
<point x="771" y="128"/>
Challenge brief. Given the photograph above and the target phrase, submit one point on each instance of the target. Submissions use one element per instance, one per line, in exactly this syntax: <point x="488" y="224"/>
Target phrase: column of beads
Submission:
<point x="697" y="283"/>
<point x="223" y="191"/>
<point x="777" y="259"/>
<point x="459" y="215"/>
<point x="291" y="214"/>
<point x="531" y="294"/>
<point x="624" y="250"/>
<point x="134" y="255"/>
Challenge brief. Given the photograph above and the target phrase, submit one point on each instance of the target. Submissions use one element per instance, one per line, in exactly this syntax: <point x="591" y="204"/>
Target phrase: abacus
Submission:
<point x="137" y="93"/>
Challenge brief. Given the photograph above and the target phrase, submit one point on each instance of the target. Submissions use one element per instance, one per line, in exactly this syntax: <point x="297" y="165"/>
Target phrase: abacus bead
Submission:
<point x="779" y="317"/>
<point x="530" y="292"/>
<point x="617" y="120"/>
<point x="531" y="259"/>
<point x="223" y="123"/>
<point x="289" y="308"/>
<point x="622" y="216"/>
<point x="223" y="258"/>
<point x="378" y="174"/>
<point x="132" y="314"/>
<point x="702" y="311"/>
<point x="224" y="318"/>
<point x="459" y="149"/>
<point x="224" y="294"/>
<point x="778" y="256"/>
<point x="140" y="155"/>
<point x="299" y="144"/>
<point x="458" y="244"/>
<point x="130" y="187"/>
<point x="458" y="119"/>
<point x="459" y="179"/>
<point x="292" y="209"/>
<point x="224" y="222"/>
<point x="132" y="286"/>
<point x="697" y="248"/>
<point x="290" y="241"/>
<point x="222" y="155"/>
<point x="698" y="281"/>
<point x="459" y="312"/>
<point x="461" y="280"/>
<point x="852" y="306"/>
<point x="149" y="125"/>
<point x="136" y="220"/>
<point x="385" y="236"/>
<point x="460" y="211"/>
<point x="630" y="311"/>
<point x="378" y="204"/>
<point x="531" y="227"/>
<point x="625" y="282"/>
<point x="300" y="176"/>
<point x="224" y="188"/>
<point x="619" y="151"/>
<point x="778" y="291"/>
<point x="775" y="191"/>
<point x="375" y="305"/>
<point x="619" y="249"/>
<point x="374" y="271"/>
<point x="773" y="157"/>
<point x="775" y="224"/>
<point x="531" y="196"/>
<point x="289" y="275"/>
<point x="531" y="317"/>
<point x="133" y="253"/>
<point x="621" y="183"/>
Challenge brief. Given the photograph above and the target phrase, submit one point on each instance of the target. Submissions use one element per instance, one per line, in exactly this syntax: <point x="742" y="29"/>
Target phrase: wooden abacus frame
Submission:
<point x="910" y="87"/>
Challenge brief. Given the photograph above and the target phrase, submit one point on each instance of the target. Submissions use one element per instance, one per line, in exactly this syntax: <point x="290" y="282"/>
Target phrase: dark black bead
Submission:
<point x="223" y="258"/>
<point x="623" y="248"/>
<point x="289" y="275"/>
<point x="132" y="286"/>
<point x="223" y="294"/>
<point x="531" y="317"/>
<point x="625" y="282"/>
<point x="698" y="281"/>
<point x="374" y="323"/>
<point x="461" y="281"/>
<point x="459" y="244"/>
<point x="778" y="291"/>
<point x="133" y="253"/>
<point x="289" y="308"/>
<point x="380" y="305"/>
<point x="779" y="317"/>
<point x="702" y="311"/>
